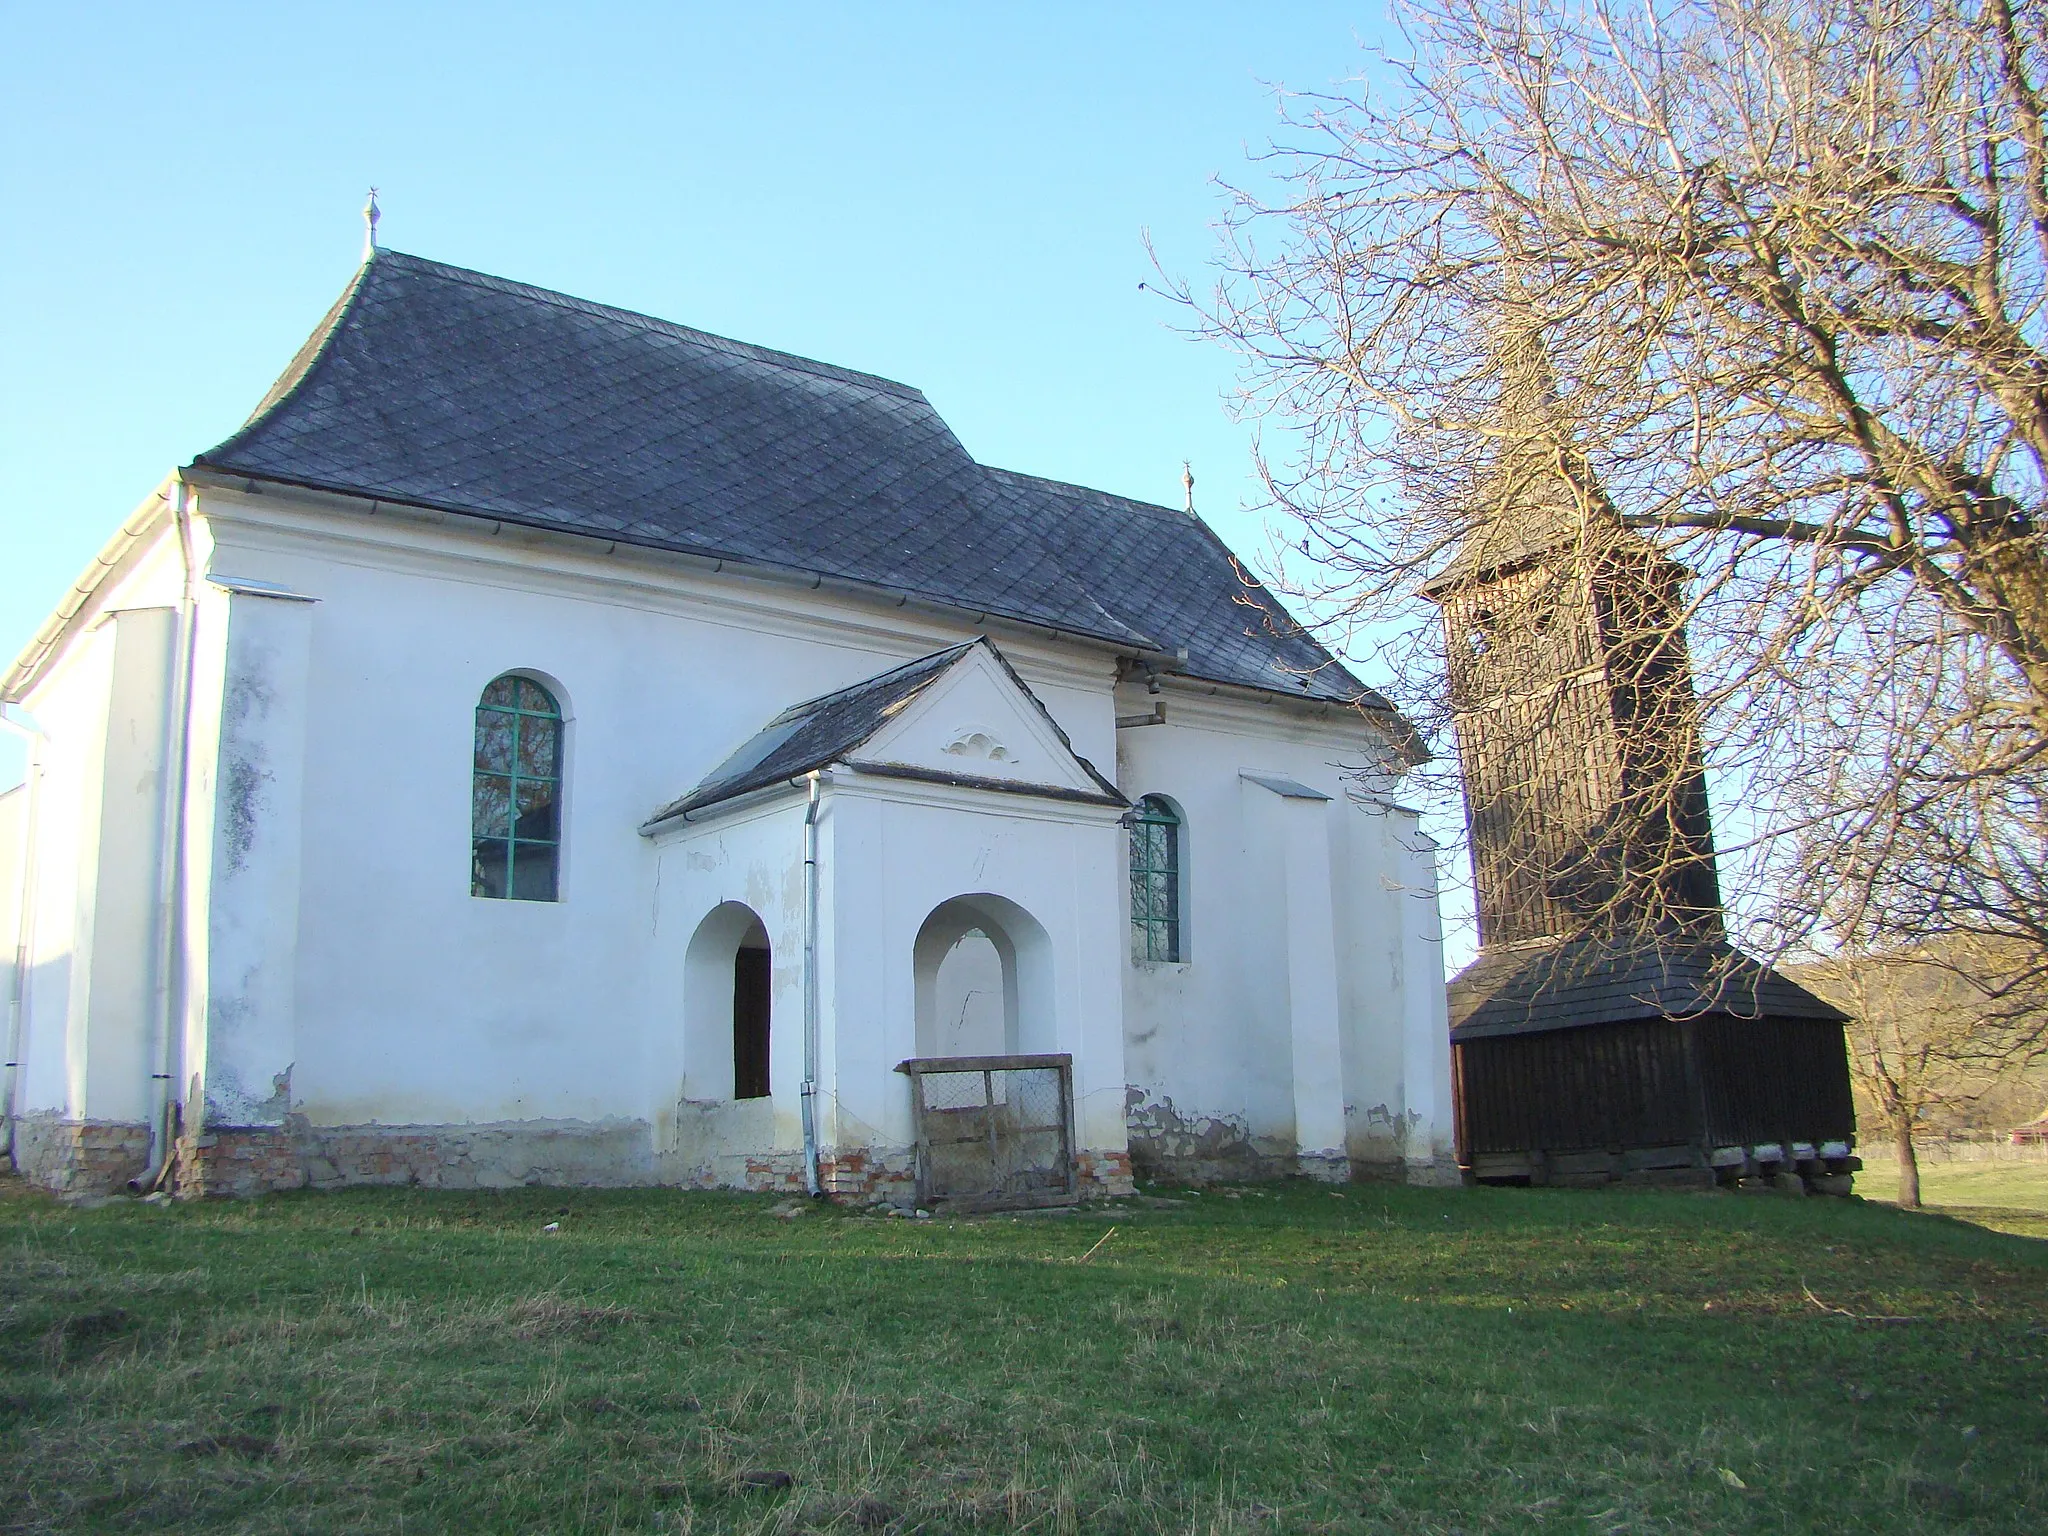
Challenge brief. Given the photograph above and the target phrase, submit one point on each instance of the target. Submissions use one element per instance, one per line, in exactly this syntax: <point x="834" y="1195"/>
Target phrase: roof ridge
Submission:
<point x="1074" y="485"/>
<point x="796" y="362"/>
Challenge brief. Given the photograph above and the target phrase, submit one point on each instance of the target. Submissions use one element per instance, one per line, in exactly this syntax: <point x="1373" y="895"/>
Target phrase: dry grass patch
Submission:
<point x="1388" y="1361"/>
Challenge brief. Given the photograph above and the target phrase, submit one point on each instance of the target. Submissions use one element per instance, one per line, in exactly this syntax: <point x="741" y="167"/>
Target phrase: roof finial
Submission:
<point x="1187" y="485"/>
<point x="370" y="217"/>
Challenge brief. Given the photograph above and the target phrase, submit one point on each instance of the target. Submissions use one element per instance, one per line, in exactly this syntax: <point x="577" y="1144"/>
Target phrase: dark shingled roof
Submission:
<point x="1171" y="576"/>
<point x="824" y="730"/>
<point x="1526" y="989"/>
<point x="451" y="389"/>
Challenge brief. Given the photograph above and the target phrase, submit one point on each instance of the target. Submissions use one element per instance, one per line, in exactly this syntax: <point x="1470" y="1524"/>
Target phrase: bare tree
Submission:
<point x="1936" y="1029"/>
<point x="1784" y="262"/>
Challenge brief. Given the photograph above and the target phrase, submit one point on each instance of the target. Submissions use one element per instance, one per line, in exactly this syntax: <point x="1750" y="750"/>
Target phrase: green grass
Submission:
<point x="1380" y="1360"/>
<point x="2006" y="1196"/>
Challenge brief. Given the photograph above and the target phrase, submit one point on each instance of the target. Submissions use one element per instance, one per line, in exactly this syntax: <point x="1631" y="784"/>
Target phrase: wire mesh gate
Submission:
<point x="993" y="1132"/>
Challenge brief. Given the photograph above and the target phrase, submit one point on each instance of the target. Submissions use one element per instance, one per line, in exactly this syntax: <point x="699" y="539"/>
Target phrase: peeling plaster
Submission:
<point x="229" y="1102"/>
<point x="1199" y="1146"/>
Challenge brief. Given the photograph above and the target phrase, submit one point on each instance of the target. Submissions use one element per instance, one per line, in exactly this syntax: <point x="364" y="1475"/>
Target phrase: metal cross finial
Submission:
<point x="370" y="217"/>
<point x="1187" y="485"/>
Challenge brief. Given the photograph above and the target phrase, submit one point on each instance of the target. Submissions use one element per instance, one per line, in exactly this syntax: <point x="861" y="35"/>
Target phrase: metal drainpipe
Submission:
<point x="24" y="927"/>
<point x="171" y="842"/>
<point x="810" y="1088"/>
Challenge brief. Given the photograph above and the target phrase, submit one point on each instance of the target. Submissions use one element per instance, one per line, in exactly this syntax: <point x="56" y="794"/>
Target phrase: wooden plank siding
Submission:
<point x="1601" y="1086"/>
<point x="1774" y="1080"/>
<point x="1709" y="1082"/>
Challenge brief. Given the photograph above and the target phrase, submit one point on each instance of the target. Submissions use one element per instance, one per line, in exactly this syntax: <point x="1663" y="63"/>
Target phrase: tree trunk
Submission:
<point x="1909" y="1165"/>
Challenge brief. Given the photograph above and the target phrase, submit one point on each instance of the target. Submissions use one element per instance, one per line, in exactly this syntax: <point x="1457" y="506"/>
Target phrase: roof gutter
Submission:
<point x="695" y="815"/>
<point x="171" y="853"/>
<point x="809" y="1092"/>
<point x="24" y="931"/>
<point x="793" y="575"/>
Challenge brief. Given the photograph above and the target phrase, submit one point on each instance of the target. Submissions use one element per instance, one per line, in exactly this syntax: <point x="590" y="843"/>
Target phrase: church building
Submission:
<point x="550" y="745"/>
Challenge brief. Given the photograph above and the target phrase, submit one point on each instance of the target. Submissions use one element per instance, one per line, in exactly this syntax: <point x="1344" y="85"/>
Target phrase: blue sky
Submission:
<point x="954" y="197"/>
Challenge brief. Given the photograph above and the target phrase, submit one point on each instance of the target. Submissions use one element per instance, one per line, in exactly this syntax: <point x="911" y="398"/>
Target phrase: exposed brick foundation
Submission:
<point x="775" y="1173"/>
<point x="237" y="1161"/>
<point x="80" y="1157"/>
<point x="74" y="1157"/>
<point x="1104" y="1173"/>
<point x="860" y="1177"/>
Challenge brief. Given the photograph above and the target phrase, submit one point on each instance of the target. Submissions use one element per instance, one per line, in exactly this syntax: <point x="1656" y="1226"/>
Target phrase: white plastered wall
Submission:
<point x="247" y="839"/>
<point x="418" y="1004"/>
<point x="896" y="852"/>
<point x="750" y="859"/>
<point x="90" y="838"/>
<point x="346" y="974"/>
<point x="1286" y="901"/>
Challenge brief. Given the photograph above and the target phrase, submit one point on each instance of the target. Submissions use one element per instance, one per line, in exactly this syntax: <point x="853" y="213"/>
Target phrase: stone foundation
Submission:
<point x="80" y="1157"/>
<point x="1324" y="1167"/>
<point x="72" y="1157"/>
<point x="238" y="1161"/>
<point x="495" y="1155"/>
<point x="1176" y="1148"/>
<point x="1432" y="1173"/>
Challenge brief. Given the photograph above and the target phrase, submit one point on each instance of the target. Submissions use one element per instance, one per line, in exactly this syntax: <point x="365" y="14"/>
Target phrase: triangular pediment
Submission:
<point x="978" y="720"/>
<point x="961" y="715"/>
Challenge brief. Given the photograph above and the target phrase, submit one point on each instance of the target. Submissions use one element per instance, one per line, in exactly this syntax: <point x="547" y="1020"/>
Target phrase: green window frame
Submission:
<point x="1155" y="881"/>
<point x="515" y="793"/>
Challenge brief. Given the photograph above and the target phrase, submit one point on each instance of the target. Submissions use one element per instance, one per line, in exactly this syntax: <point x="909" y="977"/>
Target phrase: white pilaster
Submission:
<point x="1296" y="818"/>
<point x="1429" y="1148"/>
<point x="252" y="894"/>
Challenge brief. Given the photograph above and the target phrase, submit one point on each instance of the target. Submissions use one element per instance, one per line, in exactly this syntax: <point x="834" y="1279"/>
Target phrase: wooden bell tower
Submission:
<point x="1572" y="698"/>
<point x="1578" y="736"/>
<point x="1606" y="1030"/>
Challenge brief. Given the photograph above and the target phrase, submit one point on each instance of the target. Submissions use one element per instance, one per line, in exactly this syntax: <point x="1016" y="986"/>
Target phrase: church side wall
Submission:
<point x="14" y="869"/>
<point x="1278" y="894"/>
<point x="354" y="1014"/>
<point x="91" y="929"/>
<point x="417" y="1007"/>
<point x="47" y="1118"/>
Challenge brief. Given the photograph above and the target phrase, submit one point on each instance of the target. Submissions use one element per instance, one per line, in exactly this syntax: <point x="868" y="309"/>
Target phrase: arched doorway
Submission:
<point x="991" y="1101"/>
<point x="727" y="1010"/>
<point x="983" y="969"/>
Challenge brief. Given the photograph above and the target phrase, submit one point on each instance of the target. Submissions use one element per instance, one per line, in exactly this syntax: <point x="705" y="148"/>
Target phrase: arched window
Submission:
<point x="515" y="820"/>
<point x="1155" y="881"/>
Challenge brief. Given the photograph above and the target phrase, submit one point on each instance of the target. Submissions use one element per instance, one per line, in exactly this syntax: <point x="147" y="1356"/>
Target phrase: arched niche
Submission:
<point x="984" y="982"/>
<point x="727" y="1018"/>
